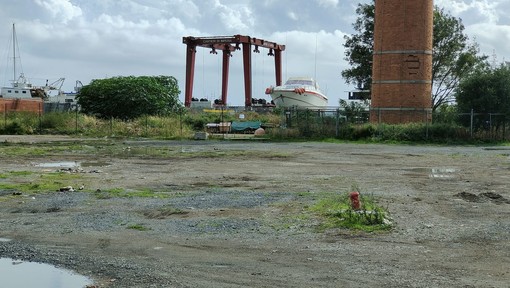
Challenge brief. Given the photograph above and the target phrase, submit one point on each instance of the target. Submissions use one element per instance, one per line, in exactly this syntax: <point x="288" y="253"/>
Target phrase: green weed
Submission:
<point x="337" y="212"/>
<point x="24" y="181"/>
<point x="128" y="193"/>
<point x="139" y="227"/>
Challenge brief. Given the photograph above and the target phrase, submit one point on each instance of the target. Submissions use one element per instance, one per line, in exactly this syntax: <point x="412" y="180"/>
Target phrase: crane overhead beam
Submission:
<point x="229" y="44"/>
<point x="217" y="41"/>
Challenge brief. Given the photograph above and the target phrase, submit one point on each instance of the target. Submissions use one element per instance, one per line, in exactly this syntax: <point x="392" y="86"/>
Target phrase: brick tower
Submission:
<point x="402" y="61"/>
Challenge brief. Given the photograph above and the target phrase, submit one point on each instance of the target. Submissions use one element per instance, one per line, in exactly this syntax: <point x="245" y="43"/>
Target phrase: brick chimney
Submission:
<point x="402" y="61"/>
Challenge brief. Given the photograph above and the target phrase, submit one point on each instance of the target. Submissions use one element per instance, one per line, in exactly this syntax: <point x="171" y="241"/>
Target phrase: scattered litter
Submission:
<point x="67" y="189"/>
<point x="77" y="170"/>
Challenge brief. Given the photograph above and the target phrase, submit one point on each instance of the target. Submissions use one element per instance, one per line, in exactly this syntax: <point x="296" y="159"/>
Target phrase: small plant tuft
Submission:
<point x="138" y="227"/>
<point x="338" y="213"/>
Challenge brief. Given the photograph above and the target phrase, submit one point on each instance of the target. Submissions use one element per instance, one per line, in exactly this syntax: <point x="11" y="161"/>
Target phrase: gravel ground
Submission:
<point x="235" y="215"/>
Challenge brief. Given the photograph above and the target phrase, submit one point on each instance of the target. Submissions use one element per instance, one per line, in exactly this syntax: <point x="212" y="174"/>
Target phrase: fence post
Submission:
<point x="76" y="121"/>
<point x="471" y="123"/>
<point x="40" y="117"/>
<point x="146" y="125"/>
<point x="337" y="128"/>
<point x="427" y="124"/>
<point x="180" y="120"/>
<point x="504" y="127"/>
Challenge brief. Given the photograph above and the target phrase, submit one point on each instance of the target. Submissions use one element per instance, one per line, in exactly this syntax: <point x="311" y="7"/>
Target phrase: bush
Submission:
<point x="14" y="128"/>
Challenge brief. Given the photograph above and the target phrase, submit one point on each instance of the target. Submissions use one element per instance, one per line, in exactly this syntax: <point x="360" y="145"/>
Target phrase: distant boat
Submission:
<point x="302" y="92"/>
<point x="21" y="88"/>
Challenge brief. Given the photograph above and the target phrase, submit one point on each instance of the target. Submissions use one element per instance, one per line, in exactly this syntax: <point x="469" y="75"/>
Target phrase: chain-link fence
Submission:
<point x="334" y="122"/>
<point x="341" y="123"/>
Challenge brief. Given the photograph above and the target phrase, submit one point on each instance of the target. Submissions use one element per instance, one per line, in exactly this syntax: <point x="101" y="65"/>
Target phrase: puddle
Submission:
<point x="435" y="173"/>
<point x="445" y="173"/>
<point x="72" y="164"/>
<point x="62" y="164"/>
<point x="4" y="239"/>
<point x="17" y="274"/>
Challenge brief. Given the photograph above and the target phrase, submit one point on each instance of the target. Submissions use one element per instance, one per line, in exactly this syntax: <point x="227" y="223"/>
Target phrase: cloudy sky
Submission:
<point x="92" y="39"/>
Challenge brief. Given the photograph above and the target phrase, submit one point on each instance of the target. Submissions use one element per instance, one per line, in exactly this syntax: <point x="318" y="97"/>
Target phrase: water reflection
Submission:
<point x="444" y="173"/>
<point x="435" y="173"/>
<point x="16" y="274"/>
<point x="61" y="164"/>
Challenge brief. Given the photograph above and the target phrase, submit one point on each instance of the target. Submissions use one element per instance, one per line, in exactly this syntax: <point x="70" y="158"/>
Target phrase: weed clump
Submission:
<point x="338" y="212"/>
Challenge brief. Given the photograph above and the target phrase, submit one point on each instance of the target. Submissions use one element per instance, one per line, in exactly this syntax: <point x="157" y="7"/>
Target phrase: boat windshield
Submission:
<point x="299" y="82"/>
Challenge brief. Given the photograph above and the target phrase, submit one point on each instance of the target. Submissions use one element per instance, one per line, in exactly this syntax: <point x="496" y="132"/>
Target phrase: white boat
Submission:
<point x="302" y="92"/>
<point x="21" y="88"/>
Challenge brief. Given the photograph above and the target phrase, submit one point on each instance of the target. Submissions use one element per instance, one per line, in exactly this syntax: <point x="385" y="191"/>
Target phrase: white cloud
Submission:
<point x="486" y="10"/>
<point x="62" y="10"/>
<point x="292" y="16"/>
<point x="497" y="41"/>
<point x="235" y="17"/>
<point x="485" y="22"/>
<point x="328" y="3"/>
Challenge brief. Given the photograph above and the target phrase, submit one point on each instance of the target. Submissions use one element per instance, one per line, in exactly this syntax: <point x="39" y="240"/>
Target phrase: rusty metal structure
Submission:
<point x="402" y="61"/>
<point x="229" y="44"/>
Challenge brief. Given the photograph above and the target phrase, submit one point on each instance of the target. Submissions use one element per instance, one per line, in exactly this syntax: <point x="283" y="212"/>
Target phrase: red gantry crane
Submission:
<point x="229" y="44"/>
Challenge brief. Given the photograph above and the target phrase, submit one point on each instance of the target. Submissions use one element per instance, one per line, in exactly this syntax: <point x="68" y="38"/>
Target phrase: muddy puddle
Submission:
<point x="17" y="274"/>
<point x="72" y="164"/>
<point x="434" y="173"/>
<point x="61" y="164"/>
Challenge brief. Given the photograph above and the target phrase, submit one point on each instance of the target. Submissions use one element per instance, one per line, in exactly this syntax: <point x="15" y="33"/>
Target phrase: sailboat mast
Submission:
<point x="14" y="51"/>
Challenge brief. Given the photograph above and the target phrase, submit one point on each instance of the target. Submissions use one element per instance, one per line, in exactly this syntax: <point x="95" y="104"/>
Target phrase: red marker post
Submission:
<point x="355" y="202"/>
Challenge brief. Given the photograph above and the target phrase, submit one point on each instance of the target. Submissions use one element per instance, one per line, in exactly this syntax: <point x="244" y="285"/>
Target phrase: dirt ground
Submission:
<point x="235" y="214"/>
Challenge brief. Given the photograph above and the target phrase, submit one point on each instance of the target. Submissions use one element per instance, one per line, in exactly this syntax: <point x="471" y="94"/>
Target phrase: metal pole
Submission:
<point x="180" y="122"/>
<point x="427" y="124"/>
<point x="471" y="125"/>
<point x="337" y="128"/>
<point x="76" y="121"/>
<point x="490" y="125"/>
<point x="40" y="116"/>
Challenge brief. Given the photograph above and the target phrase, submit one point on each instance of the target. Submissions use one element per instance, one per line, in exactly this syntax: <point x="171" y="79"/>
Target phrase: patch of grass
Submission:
<point x="336" y="212"/>
<point x="15" y="173"/>
<point x="127" y="193"/>
<point x="291" y="215"/>
<point x="49" y="182"/>
<point x="234" y="153"/>
<point x="139" y="227"/>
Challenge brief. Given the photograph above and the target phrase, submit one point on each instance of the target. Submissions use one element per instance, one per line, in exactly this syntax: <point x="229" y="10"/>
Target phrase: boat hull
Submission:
<point x="292" y="98"/>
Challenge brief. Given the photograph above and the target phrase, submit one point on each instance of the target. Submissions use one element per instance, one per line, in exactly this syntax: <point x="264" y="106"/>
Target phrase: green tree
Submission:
<point x="355" y="112"/>
<point x="453" y="57"/>
<point x="360" y="48"/>
<point x="130" y="97"/>
<point x="485" y="91"/>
